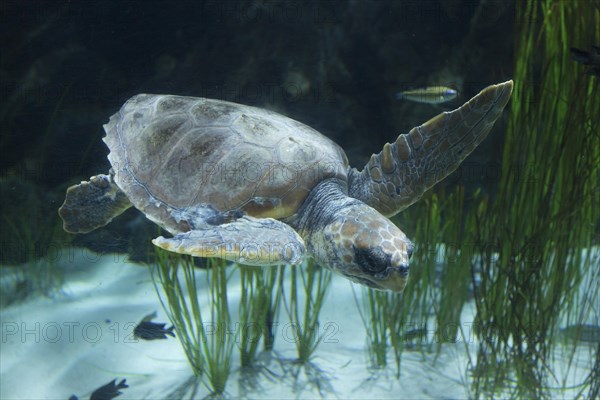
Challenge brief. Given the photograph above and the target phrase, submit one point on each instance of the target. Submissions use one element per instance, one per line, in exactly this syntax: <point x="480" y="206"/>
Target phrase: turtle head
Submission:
<point x="366" y="247"/>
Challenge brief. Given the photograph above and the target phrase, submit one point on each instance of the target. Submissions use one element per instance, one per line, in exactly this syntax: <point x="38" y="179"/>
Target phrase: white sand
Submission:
<point x="82" y="338"/>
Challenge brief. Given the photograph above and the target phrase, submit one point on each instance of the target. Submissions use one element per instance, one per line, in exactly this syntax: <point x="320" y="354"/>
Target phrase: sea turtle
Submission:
<point x="255" y="187"/>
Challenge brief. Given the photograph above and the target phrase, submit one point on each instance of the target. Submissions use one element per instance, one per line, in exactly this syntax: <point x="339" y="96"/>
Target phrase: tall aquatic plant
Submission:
<point x="259" y="305"/>
<point x="547" y="206"/>
<point x="205" y="335"/>
<point x="309" y="284"/>
<point x="373" y="312"/>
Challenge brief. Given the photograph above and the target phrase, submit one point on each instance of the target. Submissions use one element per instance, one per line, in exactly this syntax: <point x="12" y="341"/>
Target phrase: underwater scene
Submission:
<point x="338" y="199"/>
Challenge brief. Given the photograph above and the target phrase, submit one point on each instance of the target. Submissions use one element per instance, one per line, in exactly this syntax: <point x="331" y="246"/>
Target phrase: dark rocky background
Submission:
<point x="66" y="66"/>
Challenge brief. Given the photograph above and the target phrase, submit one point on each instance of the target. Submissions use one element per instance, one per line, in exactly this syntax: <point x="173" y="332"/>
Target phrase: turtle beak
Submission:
<point x="396" y="281"/>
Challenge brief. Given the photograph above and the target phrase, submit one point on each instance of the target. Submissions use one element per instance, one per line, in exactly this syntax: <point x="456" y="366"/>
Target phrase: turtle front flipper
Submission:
<point x="91" y="205"/>
<point x="399" y="175"/>
<point x="247" y="240"/>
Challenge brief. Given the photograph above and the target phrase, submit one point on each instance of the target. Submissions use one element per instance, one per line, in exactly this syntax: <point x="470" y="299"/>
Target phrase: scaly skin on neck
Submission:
<point x="321" y="206"/>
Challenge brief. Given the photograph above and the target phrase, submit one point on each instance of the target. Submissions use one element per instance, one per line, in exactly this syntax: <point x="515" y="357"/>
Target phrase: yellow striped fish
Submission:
<point x="429" y="95"/>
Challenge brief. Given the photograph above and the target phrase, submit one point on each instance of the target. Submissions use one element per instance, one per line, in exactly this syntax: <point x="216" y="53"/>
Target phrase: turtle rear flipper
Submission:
<point x="247" y="240"/>
<point x="399" y="175"/>
<point x="91" y="205"/>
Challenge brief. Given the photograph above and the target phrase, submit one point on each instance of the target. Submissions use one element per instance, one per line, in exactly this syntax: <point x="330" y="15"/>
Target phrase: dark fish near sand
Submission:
<point x="148" y="330"/>
<point x="107" y="392"/>
<point x="429" y="95"/>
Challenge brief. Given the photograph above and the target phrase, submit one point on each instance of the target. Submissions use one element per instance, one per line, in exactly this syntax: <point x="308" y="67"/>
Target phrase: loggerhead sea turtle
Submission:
<point x="255" y="187"/>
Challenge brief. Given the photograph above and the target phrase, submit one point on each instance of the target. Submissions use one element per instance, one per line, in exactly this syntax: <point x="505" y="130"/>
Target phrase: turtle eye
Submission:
<point x="372" y="260"/>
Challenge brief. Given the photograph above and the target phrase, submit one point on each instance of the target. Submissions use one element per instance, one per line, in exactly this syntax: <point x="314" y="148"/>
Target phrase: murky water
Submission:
<point x="502" y="298"/>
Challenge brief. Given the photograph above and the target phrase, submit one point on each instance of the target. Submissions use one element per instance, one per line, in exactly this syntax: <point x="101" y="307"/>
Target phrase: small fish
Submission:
<point x="429" y="95"/>
<point x="109" y="391"/>
<point x="591" y="59"/>
<point x="151" y="330"/>
<point x="415" y="334"/>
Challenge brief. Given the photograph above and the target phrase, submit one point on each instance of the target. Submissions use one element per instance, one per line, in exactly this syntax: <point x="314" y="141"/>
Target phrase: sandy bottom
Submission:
<point x="82" y="338"/>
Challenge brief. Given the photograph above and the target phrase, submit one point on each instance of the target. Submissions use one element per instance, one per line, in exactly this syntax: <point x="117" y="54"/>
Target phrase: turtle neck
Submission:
<point x="321" y="205"/>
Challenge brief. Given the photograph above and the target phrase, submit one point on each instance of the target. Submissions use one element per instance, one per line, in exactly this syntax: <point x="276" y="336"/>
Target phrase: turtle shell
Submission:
<point x="186" y="162"/>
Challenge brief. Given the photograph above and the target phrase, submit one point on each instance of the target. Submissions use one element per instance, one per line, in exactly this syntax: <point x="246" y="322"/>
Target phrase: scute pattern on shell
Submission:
<point x="180" y="153"/>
